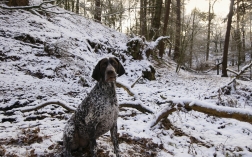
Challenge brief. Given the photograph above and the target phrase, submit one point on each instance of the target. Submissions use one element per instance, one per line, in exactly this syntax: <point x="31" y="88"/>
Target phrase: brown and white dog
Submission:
<point x="98" y="112"/>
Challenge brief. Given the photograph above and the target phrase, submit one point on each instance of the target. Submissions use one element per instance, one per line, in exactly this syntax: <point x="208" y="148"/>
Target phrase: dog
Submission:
<point x="97" y="113"/>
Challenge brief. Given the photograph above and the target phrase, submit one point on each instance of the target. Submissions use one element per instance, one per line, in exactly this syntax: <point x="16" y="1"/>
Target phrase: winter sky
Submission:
<point x="221" y="7"/>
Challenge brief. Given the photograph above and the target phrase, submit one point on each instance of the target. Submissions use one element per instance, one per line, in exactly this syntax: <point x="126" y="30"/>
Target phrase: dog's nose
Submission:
<point x="110" y="72"/>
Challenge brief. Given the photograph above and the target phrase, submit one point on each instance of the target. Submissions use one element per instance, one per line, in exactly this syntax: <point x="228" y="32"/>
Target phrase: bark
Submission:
<point x="227" y="37"/>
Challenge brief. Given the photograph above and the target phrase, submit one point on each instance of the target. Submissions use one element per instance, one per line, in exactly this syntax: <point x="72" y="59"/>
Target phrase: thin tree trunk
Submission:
<point x="97" y="15"/>
<point x="143" y="18"/>
<point x="178" y="30"/>
<point x="238" y="35"/>
<point x="208" y="30"/>
<point x="155" y="24"/>
<point x="166" y="19"/>
<point x="191" y="46"/>
<point x="227" y="37"/>
<point x="77" y="7"/>
<point x="73" y="5"/>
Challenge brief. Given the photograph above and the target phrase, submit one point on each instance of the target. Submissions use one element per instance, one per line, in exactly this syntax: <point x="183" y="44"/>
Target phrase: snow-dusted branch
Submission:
<point x="136" y="105"/>
<point x="56" y="102"/>
<point x="207" y="108"/>
<point x="238" y="74"/>
<point x="125" y="87"/>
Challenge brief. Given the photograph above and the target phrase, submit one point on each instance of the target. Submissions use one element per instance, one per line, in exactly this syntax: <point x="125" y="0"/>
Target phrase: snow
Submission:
<point x="29" y="76"/>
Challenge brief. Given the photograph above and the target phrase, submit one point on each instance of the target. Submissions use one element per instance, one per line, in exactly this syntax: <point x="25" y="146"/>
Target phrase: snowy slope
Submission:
<point x="46" y="56"/>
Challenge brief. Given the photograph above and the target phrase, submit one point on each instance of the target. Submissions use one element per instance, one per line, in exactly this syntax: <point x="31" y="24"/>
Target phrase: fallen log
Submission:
<point x="203" y="107"/>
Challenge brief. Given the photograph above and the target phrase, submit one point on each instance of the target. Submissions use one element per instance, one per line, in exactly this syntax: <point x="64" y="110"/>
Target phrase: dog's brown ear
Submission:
<point x="96" y="73"/>
<point x="120" y="70"/>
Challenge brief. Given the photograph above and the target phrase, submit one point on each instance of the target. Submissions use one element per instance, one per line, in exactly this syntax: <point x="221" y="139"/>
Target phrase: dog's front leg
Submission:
<point x="113" y="133"/>
<point x="92" y="140"/>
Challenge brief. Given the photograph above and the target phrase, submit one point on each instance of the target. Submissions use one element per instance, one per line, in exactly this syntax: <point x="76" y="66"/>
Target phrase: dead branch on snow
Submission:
<point x="196" y="105"/>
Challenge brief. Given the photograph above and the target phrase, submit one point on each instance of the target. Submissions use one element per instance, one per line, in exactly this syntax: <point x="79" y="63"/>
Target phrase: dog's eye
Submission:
<point x="113" y="63"/>
<point x="103" y="65"/>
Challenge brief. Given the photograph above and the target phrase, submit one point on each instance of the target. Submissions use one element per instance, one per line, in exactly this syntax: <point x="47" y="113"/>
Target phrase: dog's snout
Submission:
<point x="110" y="72"/>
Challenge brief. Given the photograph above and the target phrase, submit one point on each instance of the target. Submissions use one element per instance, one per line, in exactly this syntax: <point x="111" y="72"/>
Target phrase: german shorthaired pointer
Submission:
<point x="97" y="114"/>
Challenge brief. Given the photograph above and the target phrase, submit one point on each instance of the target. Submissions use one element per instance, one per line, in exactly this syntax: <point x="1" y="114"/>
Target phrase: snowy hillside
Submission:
<point x="48" y="56"/>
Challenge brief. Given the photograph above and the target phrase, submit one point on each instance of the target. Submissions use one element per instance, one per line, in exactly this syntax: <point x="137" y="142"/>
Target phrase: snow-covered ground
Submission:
<point x="47" y="56"/>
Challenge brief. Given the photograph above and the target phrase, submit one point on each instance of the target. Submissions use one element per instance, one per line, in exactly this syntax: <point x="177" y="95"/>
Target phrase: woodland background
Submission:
<point x="198" y="40"/>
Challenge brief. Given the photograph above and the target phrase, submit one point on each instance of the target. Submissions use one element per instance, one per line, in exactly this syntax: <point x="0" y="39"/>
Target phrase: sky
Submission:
<point x="221" y="7"/>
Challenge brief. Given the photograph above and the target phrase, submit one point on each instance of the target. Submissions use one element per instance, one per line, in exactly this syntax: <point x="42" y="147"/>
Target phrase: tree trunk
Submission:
<point x="178" y="30"/>
<point x="155" y="24"/>
<point x="97" y="15"/>
<point x="18" y="2"/>
<point x="143" y="18"/>
<point x="226" y="44"/>
<point x="77" y="6"/>
<point x="238" y="35"/>
<point x="166" y="19"/>
<point x="208" y="31"/>
<point x="192" y="36"/>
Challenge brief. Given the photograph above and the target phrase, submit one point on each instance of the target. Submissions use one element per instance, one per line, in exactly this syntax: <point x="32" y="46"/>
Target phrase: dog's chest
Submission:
<point x="100" y="107"/>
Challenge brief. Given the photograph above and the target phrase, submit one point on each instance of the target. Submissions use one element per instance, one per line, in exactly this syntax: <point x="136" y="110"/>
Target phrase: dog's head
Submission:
<point x="108" y="69"/>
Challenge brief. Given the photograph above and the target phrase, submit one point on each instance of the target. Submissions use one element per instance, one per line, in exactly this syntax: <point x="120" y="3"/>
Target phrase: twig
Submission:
<point x="136" y="81"/>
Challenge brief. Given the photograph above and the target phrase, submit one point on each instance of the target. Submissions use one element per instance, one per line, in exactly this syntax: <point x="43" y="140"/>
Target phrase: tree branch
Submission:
<point x="137" y="105"/>
<point x="242" y="71"/>
<point x="203" y="107"/>
<point x="56" y="102"/>
<point x="120" y="85"/>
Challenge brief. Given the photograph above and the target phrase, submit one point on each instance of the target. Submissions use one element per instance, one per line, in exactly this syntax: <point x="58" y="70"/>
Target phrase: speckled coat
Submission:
<point x="96" y="115"/>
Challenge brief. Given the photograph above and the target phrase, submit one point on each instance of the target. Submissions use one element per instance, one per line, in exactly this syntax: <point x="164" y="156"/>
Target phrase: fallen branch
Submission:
<point x="56" y="102"/>
<point x="135" y="105"/>
<point x="120" y="85"/>
<point x="136" y="81"/>
<point x="203" y="107"/>
<point x="242" y="71"/>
